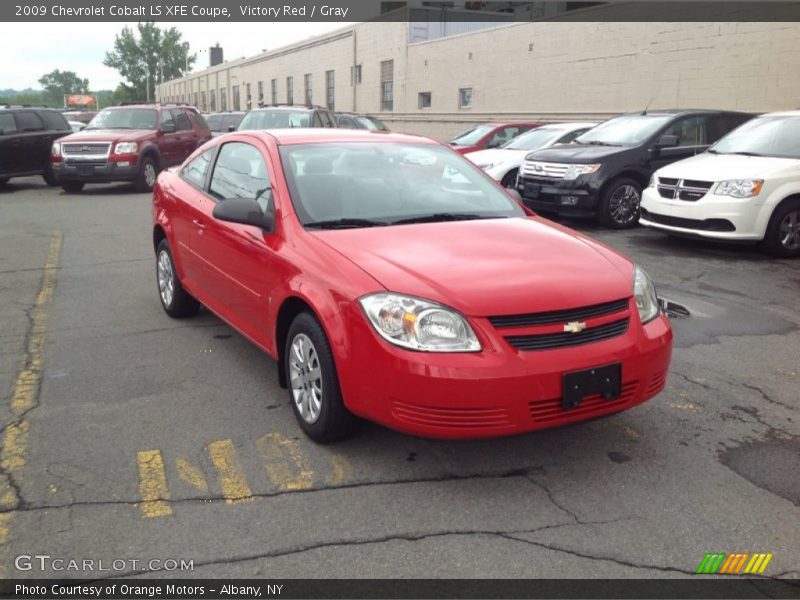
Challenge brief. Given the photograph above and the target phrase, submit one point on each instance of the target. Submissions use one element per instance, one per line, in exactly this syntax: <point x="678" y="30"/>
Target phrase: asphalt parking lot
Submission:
<point x="128" y="435"/>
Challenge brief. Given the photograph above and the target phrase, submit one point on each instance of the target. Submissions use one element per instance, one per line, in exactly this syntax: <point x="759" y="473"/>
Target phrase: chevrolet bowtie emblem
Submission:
<point x="574" y="326"/>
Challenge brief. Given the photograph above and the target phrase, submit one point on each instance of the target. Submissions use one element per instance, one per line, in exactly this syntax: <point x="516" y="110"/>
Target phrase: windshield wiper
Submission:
<point x="745" y="153"/>
<point x="436" y="217"/>
<point x="598" y="143"/>
<point x="344" y="223"/>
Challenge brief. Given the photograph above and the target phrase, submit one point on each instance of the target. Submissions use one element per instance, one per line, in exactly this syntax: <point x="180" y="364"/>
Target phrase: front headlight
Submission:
<point x="125" y="148"/>
<point x="574" y="171"/>
<point x="419" y="324"/>
<point x="739" y="188"/>
<point x="644" y="292"/>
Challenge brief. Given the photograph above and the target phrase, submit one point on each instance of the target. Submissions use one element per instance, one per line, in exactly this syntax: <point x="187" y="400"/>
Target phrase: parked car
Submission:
<point x="289" y="115"/>
<point x="603" y="173"/>
<point x="746" y="187"/>
<point x="224" y="122"/>
<point x="82" y="116"/>
<point x="26" y="134"/>
<point x="354" y="121"/>
<point x="128" y="143"/>
<point x="502" y="164"/>
<point x="395" y="289"/>
<point x="76" y="126"/>
<point x="489" y="135"/>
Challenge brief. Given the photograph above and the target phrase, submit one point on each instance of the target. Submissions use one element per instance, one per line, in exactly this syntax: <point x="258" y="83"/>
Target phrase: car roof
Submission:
<point x="783" y="113"/>
<point x="673" y="112"/>
<point x="566" y="125"/>
<point x="285" y="107"/>
<point x="326" y="135"/>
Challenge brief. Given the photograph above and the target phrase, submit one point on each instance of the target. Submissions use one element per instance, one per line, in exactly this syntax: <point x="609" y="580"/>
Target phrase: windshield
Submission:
<point x="627" y="130"/>
<point x="533" y="139"/>
<point x="275" y="119"/>
<point x="764" y="136"/>
<point x="366" y="184"/>
<point x="471" y="136"/>
<point x="371" y="124"/>
<point x="125" y="118"/>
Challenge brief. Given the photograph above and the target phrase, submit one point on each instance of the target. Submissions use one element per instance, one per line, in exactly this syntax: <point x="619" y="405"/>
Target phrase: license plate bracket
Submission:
<point x="532" y="190"/>
<point x="606" y="381"/>
<point x="85" y="170"/>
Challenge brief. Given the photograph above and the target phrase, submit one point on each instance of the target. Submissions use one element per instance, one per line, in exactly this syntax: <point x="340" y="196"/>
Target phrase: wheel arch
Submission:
<point x="638" y="176"/>
<point x="290" y="307"/>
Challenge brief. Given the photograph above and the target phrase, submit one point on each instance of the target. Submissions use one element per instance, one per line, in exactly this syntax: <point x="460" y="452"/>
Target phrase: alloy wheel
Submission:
<point x="624" y="204"/>
<point x="150" y="174"/>
<point x="305" y="376"/>
<point x="789" y="230"/>
<point x="166" y="278"/>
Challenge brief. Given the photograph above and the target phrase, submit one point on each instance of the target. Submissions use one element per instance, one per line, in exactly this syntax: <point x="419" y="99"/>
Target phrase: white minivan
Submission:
<point x="746" y="187"/>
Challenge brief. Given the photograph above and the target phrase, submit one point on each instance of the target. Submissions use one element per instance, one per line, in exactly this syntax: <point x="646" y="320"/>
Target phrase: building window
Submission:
<point x="329" y="88"/>
<point x="424" y="100"/>
<point x="260" y="93"/>
<point x="248" y="96"/>
<point x="465" y="98"/>
<point x="387" y="85"/>
<point x="223" y="99"/>
<point x="196" y="99"/>
<point x="289" y="90"/>
<point x="236" y="103"/>
<point x="212" y="99"/>
<point x="274" y="91"/>
<point x="355" y="75"/>
<point x="309" y="97"/>
<point x="202" y="102"/>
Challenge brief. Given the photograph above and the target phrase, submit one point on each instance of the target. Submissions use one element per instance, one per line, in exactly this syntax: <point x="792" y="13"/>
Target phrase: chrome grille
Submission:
<point x="87" y="148"/>
<point x="689" y="190"/>
<point x="535" y="168"/>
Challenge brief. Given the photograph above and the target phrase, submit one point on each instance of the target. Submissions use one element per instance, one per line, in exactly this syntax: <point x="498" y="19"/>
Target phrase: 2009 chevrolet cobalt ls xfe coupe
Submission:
<point x="394" y="281"/>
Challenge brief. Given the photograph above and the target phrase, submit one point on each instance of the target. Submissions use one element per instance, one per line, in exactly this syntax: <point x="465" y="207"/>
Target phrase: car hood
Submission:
<point x="496" y="156"/>
<point x="104" y="135"/>
<point x="719" y="167"/>
<point x="575" y="153"/>
<point x="488" y="267"/>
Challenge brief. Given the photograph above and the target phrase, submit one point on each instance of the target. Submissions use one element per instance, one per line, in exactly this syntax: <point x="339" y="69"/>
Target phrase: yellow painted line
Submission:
<point x="762" y="567"/>
<point x="285" y="462"/>
<point x="153" y="484"/>
<point x="232" y="479"/>
<point x="191" y="475"/>
<point x="340" y="469"/>
<point x="628" y="431"/>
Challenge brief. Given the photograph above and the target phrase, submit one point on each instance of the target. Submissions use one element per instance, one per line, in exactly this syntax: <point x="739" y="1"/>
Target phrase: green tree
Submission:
<point x="57" y="84"/>
<point x="146" y="57"/>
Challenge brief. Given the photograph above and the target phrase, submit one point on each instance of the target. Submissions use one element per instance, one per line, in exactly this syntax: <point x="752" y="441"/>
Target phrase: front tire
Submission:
<point x="146" y="179"/>
<point x="619" y="204"/>
<point x="783" y="232"/>
<point x="313" y="383"/>
<point x="175" y="300"/>
<point x="72" y="187"/>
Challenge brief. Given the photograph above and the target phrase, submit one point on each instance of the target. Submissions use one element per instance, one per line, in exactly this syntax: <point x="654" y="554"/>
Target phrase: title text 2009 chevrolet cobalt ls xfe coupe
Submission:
<point x="393" y="280"/>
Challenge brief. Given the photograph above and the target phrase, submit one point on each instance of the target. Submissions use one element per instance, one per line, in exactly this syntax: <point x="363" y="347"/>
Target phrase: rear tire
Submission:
<point x="619" y="204"/>
<point x="783" y="232"/>
<point x="313" y="384"/>
<point x="49" y="177"/>
<point x="146" y="178"/>
<point x="175" y="300"/>
<point x="72" y="187"/>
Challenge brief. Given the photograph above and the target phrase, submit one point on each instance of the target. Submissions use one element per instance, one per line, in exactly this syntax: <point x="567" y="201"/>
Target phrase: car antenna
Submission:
<point x="644" y="112"/>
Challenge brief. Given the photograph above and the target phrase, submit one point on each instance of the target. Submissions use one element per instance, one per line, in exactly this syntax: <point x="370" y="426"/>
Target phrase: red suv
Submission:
<point x="128" y="143"/>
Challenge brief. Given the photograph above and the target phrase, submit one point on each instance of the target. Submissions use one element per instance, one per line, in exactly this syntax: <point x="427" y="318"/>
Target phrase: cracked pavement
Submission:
<point x="711" y="464"/>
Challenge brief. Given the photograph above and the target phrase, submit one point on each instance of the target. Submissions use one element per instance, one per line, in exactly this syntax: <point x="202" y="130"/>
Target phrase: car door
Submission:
<point x="187" y="210"/>
<point x="31" y="128"/>
<point x="692" y="139"/>
<point x="10" y="145"/>
<point x="168" y="142"/>
<point x="237" y="259"/>
<point x="185" y="135"/>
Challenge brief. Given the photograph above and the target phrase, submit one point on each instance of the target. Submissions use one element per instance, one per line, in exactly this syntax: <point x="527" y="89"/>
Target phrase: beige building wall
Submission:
<point x="549" y="70"/>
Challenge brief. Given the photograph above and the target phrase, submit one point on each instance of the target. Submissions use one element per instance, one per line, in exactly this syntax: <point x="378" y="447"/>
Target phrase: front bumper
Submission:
<point x="716" y="217"/>
<point x="499" y="391"/>
<point x="95" y="173"/>
<point x="574" y="197"/>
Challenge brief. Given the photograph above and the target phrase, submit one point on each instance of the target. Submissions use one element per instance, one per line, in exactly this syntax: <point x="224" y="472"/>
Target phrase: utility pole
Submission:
<point x="147" y="85"/>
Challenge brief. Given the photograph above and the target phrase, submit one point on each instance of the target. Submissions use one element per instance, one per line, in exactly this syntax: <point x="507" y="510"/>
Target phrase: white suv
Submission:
<point x="746" y="187"/>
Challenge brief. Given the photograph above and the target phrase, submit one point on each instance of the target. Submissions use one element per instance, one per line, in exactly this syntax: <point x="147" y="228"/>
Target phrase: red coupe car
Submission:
<point x="489" y="135"/>
<point x="393" y="280"/>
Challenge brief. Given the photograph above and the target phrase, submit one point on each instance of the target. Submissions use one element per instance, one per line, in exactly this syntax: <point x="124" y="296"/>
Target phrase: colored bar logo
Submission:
<point x="736" y="563"/>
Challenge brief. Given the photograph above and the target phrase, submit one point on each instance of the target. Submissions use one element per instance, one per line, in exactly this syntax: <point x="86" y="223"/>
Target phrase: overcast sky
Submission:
<point x="29" y="50"/>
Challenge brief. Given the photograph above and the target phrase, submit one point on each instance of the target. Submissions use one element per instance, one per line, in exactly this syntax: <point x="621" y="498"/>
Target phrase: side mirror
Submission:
<point x="231" y="128"/>
<point x="667" y="141"/>
<point x="168" y="127"/>
<point x="246" y="211"/>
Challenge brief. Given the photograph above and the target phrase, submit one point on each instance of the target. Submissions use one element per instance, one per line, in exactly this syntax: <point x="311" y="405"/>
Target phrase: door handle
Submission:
<point x="199" y="224"/>
<point x="177" y="137"/>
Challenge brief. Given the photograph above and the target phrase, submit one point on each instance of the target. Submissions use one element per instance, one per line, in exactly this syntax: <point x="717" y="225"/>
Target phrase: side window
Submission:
<point x="240" y="172"/>
<point x="347" y="122"/>
<point x="166" y="118"/>
<point x="691" y="131"/>
<point x="198" y="121"/>
<point x="7" y="123"/>
<point x="566" y="139"/>
<point x="29" y="121"/>
<point x="215" y="122"/>
<point x="503" y="136"/>
<point x="54" y="121"/>
<point x="182" y="122"/>
<point x="195" y="171"/>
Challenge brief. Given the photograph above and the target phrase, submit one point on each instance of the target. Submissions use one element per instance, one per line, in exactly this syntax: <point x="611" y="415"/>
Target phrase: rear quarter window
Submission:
<point x="29" y="121"/>
<point x="7" y="123"/>
<point x="54" y="120"/>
